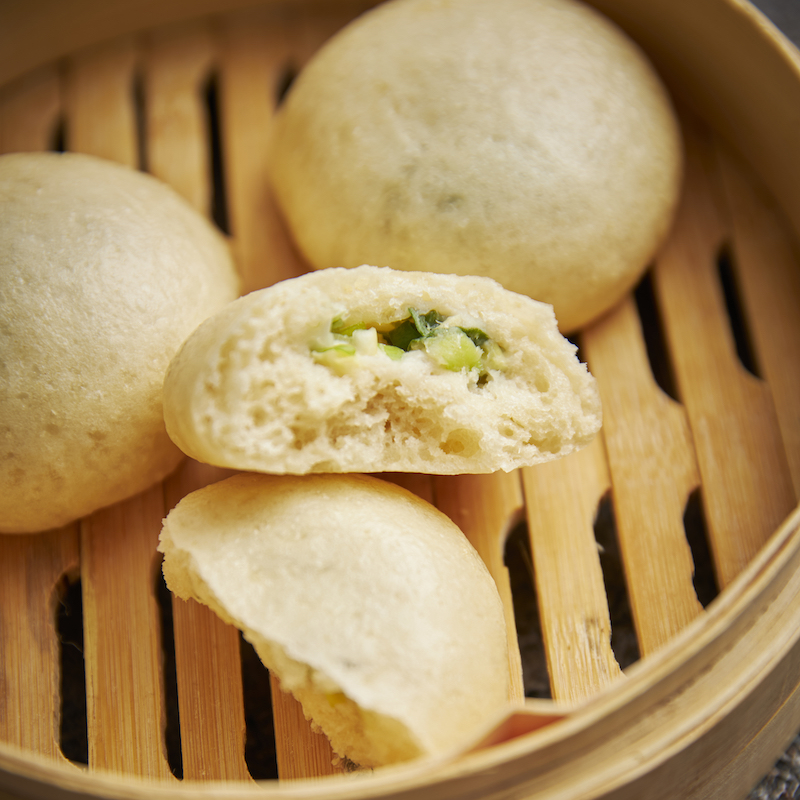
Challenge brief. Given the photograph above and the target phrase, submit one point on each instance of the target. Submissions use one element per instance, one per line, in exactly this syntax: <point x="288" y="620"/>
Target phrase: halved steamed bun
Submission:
<point x="369" y="605"/>
<point x="372" y="369"/>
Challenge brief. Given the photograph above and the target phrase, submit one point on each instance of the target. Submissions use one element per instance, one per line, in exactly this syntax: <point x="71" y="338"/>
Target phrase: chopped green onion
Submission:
<point x="402" y="336"/>
<point x="338" y="326"/>
<point x="395" y="353"/>
<point x="450" y="346"/>
<point x="477" y="336"/>
<point x="342" y="349"/>
<point x="425" y="323"/>
<point x="452" y="349"/>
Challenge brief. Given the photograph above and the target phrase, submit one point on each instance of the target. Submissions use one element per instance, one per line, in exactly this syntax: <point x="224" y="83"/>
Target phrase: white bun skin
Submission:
<point x="104" y="271"/>
<point x="527" y="140"/>
<point x="368" y="603"/>
<point x="245" y="391"/>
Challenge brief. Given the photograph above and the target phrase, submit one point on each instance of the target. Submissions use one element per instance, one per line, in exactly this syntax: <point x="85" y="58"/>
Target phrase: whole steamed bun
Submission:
<point x="104" y="271"/>
<point x="526" y="140"/>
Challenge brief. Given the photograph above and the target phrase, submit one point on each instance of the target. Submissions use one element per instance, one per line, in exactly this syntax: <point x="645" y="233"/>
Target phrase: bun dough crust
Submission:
<point x="368" y="603"/>
<point x="526" y="140"/>
<point x="104" y="271"/>
<point x="247" y="392"/>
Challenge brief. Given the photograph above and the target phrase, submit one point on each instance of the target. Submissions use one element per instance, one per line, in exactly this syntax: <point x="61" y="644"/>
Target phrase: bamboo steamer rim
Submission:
<point x="651" y="682"/>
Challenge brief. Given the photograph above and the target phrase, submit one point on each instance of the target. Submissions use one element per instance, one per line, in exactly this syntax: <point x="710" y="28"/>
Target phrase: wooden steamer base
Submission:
<point x="713" y="699"/>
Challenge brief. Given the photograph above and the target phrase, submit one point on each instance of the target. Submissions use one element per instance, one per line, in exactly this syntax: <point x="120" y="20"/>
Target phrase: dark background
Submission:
<point x="785" y="14"/>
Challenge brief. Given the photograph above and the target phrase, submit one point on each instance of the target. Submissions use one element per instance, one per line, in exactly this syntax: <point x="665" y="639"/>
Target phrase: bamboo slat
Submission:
<point x="30" y="568"/>
<point x="561" y="499"/>
<point x="99" y="97"/>
<point x="125" y="703"/>
<point x="263" y="48"/>
<point x="124" y="683"/>
<point x="178" y="64"/>
<point x="28" y="112"/>
<point x="769" y="270"/>
<point x="486" y="507"/>
<point x="208" y="666"/>
<point x="210" y="700"/>
<point x="255" y="54"/>
<point x="301" y="751"/>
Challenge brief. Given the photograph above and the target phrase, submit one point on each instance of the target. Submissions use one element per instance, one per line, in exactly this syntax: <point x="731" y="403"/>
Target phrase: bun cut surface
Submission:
<point x="376" y="370"/>
<point x="104" y="271"/>
<point x="369" y="605"/>
<point x="527" y="140"/>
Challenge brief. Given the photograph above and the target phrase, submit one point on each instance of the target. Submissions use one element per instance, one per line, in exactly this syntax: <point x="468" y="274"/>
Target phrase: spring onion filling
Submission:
<point x="449" y="345"/>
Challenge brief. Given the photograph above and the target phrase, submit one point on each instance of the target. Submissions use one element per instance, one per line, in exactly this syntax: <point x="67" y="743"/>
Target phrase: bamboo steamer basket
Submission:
<point x="715" y="696"/>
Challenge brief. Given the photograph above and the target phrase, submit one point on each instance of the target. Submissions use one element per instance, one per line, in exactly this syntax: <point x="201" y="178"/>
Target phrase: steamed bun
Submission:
<point x="332" y="372"/>
<point x="104" y="271"/>
<point x="367" y="603"/>
<point x="527" y="140"/>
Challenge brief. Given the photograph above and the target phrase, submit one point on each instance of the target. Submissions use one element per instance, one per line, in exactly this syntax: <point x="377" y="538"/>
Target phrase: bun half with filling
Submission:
<point x="374" y="370"/>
